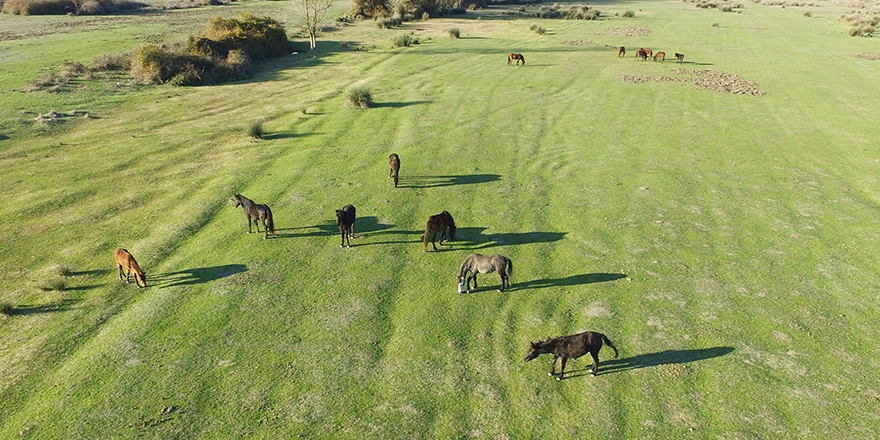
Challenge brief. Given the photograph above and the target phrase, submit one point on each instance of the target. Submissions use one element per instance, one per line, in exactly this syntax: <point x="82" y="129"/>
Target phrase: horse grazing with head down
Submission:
<point x="127" y="265"/>
<point x="256" y="212"/>
<point x="476" y="263"/>
<point x="516" y="57"/>
<point x="659" y="57"/>
<point x="679" y="57"/>
<point x="641" y="54"/>
<point x="345" y="218"/>
<point x="571" y="347"/>
<point x="394" y="164"/>
<point x="621" y="52"/>
<point x="439" y="224"/>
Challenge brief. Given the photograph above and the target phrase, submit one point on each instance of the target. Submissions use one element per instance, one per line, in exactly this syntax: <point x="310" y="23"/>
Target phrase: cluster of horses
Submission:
<point x="643" y="54"/>
<point x="440" y="226"/>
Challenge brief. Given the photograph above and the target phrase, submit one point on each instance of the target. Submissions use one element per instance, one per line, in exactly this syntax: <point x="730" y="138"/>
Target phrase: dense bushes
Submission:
<point x="572" y="12"/>
<point x="61" y="7"/>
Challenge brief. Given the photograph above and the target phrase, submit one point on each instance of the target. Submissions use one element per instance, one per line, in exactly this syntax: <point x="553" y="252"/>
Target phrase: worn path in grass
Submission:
<point x="725" y="243"/>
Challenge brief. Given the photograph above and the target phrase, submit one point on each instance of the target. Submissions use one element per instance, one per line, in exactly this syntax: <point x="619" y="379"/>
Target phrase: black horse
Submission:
<point x="258" y="213"/>
<point x="439" y="223"/>
<point x="572" y="346"/>
<point x="621" y="52"/>
<point x="345" y="220"/>
<point x="476" y="263"/>
<point x="394" y="164"/>
<point x="679" y="57"/>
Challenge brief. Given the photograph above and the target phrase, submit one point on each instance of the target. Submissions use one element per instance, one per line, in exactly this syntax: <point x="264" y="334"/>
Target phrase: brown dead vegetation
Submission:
<point x="626" y="31"/>
<point x="704" y="79"/>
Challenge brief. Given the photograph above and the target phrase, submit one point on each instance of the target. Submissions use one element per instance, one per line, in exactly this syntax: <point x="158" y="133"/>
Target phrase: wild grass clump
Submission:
<point x="54" y="285"/>
<point x="64" y="7"/>
<point x="864" y="30"/>
<point x="808" y="14"/>
<point x="61" y="80"/>
<point x="404" y="40"/>
<point x="6" y="307"/>
<point x="573" y="12"/>
<point x="388" y="23"/>
<point x="359" y="97"/>
<point x="629" y="14"/>
<point x="255" y="129"/>
<point x="454" y="33"/>
<point x="64" y="270"/>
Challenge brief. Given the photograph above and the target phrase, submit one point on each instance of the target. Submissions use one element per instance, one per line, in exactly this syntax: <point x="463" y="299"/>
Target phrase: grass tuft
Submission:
<point x="54" y="285"/>
<point x="454" y="33"/>
<point x="255" y="129"/>
<point x="6" y="307"/>
<point x="359" y="97"/>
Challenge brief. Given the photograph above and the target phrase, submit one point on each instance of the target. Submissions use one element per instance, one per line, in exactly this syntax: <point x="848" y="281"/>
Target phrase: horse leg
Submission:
<point x="249" y="224"/>
<point x="595" y="355"/>
<point x="553" y="366"/>
<point x="120" y="272"/>
<point x="562" y="371"/>
<point x="434" y="237"/>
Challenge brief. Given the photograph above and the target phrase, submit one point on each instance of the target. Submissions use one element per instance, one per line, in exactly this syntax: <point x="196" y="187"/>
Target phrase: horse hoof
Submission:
<point x="558" y="377"/>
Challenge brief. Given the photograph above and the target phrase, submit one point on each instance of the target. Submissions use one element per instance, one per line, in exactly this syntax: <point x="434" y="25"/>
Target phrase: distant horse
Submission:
<point x="258" y="213"/>
<point x="660" y="57"/>
<point x="648" y="54"/>
<point x="394" y="164"/>
<point x="641" y="54"/>
<point x="571" y="347"/>
<point x="439" y="223"/>
<point x="516" y="57"/>
<point x="345" y="220"/>
<point x="621" y="52"/>
<point x="476" y="263"/>
<point x="127" y="264"/>
<point x="679" y="57"/>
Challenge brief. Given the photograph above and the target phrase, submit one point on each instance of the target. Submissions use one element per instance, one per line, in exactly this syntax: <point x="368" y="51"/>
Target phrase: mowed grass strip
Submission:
<point x="723" y="242"/>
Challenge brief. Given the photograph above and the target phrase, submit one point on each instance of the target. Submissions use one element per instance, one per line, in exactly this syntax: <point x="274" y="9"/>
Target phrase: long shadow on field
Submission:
<point x="437" y="181"/>
<point x="195" y="276"/>
<point x="575" y="280"/>
<point x="397" y="104"/>
<point x="323" y="229"/>
<point x="477" y="240"/>
<point x="57" y="306"/>
<point x="656" y="359"/>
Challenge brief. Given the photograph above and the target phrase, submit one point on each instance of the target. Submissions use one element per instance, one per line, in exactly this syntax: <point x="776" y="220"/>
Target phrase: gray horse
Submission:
<point x="476" y="263"/>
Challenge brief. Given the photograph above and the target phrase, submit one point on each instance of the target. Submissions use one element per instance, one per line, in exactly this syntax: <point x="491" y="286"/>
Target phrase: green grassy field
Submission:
<point x="726" y="243"/>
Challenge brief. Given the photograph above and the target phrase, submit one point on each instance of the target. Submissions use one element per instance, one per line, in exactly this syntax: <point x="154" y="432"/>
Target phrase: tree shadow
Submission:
<point x="655" y="360"/>
<point x="405" y="181"/>
<point x="279" y="135"/>
<point x="477" y="240"/>
<point x="196" y="276"/>
<point x="575" y="280"/>
<point x="57" y="306"/>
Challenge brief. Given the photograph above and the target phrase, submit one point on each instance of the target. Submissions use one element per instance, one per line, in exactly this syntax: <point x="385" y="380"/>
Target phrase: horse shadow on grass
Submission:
<point x="655" y="360"/>
<point x="439" y="181"/>
<point x="575" y="280"/>
<point x="363" y="226"/>
<point x="196" y="276"/>
<point x="476" y="240"/>
<point x="57" y="306"/>
<point x="96" y="272"/>
<point x="400" y="104"/>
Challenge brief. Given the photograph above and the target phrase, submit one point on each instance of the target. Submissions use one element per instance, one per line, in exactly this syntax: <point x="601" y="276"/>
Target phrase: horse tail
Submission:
<point x="509" y="266"/>
<point x="608" y="343"/>
<point x="270" y="223"/>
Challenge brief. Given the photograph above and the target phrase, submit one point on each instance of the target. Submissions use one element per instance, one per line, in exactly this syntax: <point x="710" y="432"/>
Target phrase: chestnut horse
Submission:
<point x="439" y="223"/>
<point x="516" y="57"/>
<point x="660" y="57"/>
<point x="394" y="164"/>
<point x="127" y="264"/>
<point x="572" y="346"/>
<point x="476" y="263"/>
<point x="641" y="53"/>
<point x="256" y="212"/>
<point x="345" y="218"/>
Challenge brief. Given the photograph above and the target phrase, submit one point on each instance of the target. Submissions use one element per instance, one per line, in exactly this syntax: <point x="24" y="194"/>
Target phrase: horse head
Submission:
<point x="534" y="351"/>
<point x="140" y="279"/>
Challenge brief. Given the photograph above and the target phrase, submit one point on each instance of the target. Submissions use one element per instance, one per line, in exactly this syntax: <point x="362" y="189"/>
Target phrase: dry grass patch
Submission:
<point x="868" y="56"/>
<point x="626" y="31"/>
<point x="704" y="79"/>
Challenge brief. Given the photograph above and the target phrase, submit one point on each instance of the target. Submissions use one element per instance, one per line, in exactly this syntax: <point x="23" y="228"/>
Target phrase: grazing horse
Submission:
<point x="571" y="347"/>
<point x="439" y="223"/>
<point x="641" y="53"/>
<point x="621" y="52"/>
<point x="679" y="57"/>
<point x="126" y="264"/>
<point x="394" y="164"/>
<point x="516" y="57"/>
<point x="345" y="220"/>
<point x="258" y="213"/>
<point x="660" y="57"/>
<point x="476" y="263"/>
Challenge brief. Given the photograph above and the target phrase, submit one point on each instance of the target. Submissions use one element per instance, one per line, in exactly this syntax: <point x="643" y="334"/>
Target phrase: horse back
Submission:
<point x="345" y="216"/>
<point x="574" y="346"/>
<point x="127" y="261"/>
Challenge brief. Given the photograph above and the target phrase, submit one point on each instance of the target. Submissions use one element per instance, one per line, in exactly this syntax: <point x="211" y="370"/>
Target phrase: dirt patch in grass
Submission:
<point x="704" y="79"/>
<point x="583" y="43"/>
<point x="868" y="56"/>
<point x="626" y="31"/>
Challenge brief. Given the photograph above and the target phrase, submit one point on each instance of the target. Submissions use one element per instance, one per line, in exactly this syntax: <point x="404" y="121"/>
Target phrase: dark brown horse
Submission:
<point x="394" y="164"/>
<point x="641" y="54"/>
<point x="439" y="224"/>
<point x="621" y="52"/>
<point x="345" y="218"/>
<point x="679" y="57"/>
<point x="571" y="347"/>
<point x="127" y="265"/>
<point x="258" y="213"/>
<point x="516" y="57"/>
<point x="659" y="57"/>
<point x="476" y="263"/>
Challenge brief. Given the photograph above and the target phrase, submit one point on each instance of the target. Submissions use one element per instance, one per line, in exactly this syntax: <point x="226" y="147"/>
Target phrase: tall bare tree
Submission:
<point x="311" y="13"/>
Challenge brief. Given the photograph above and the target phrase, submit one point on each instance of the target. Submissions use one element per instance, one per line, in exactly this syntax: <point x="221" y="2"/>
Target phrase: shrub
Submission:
<point x="533" y="27"/>
<point x="156" y="65"/>
<point x="425" y="16"/>
<point x="63" y="270"/>
<point x="6" y="307"/>
<point x="402" y="41"/>
<point x="63" y="7"/>
<point x="54" y="284"/>
<point x="120" y="61"/>
<point x="454" y="33"/>
<point x="726" y="8"/>
<point x="629" y="14"/>
<point x="255" y="129"/>
<point x="258" y="37"/>
<point x="808" y="14"/>
<point x="541" y="31"/>
<point x="388" y="23"/>
<point x="359" y="97"/>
